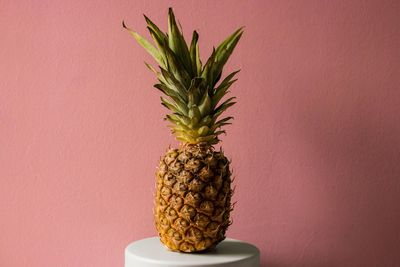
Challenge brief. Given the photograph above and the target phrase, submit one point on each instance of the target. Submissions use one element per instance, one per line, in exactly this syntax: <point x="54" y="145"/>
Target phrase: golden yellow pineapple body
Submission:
<point x="193" y="198"/>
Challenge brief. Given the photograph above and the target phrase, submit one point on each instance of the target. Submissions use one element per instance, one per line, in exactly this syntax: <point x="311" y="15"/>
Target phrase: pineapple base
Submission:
<point x="193" y="198"/>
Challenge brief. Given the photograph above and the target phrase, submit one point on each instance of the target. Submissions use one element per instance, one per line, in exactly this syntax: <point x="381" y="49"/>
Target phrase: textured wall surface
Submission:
<point x="315" y="143"/>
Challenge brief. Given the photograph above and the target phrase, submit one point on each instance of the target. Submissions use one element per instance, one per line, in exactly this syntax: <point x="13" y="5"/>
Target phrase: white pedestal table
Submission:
<point x="150" y="252"/>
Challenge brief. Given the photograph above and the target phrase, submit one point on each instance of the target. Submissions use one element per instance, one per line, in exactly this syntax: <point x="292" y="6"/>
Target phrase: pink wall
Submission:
<point x="315" y="144"/>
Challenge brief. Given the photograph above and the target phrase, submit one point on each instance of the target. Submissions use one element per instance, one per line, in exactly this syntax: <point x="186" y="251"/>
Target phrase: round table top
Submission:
<point x="150" y="252"/>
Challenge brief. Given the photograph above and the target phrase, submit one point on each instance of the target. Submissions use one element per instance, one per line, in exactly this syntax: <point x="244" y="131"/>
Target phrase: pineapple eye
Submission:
<point x="211" y="192"/>
<point x="192" y="198"/>
<point x="176" y="202"/>
<point x="193" y="165"/>
<point x="164" y="221"/>
<point x="177" y="236"/>
<point x="185" y="176"/>
<point x="201" y="220"/>
<point x="188" y="212"/>
<point x="194" y="234"/>
<point x="218" y="212"/>
<point x="172" y="212"/>
<point x="183" y="157"/>
<point x="162" y="202"/>
<point x="175" y="166"/>
<point x="181" y="224"/>
<point x="170" y="156"/>
<point x="169" y="179"/>
<point x="205" y="174"/>
<point x="195" y="185"/>
<point x="212" y="226"/>
<point x="207" y="206"/>
<point x="180" y="187"/>
<point x="221" y="199"/>
<point x="165" y="191"/>
<point x="187" y="247"/>
<point x="171" y="232"/>
<point x="184" y="223"/>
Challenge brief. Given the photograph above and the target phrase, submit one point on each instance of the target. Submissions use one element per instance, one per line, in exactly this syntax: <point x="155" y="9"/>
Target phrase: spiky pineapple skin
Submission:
<point x="193" y="198"/>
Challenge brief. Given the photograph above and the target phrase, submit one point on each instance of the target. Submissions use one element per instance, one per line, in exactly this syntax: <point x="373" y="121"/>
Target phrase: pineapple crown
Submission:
<point x="193" y="92"/>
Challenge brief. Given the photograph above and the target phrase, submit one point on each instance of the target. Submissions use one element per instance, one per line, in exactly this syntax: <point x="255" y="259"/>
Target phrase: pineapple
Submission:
<point x="193" y="182"/>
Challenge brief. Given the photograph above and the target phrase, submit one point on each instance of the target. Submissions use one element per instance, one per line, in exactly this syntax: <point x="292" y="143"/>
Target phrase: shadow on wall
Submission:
<point x="355" y="141"/>
<point x="306" y="264"/>
<point x="362" y="151"/>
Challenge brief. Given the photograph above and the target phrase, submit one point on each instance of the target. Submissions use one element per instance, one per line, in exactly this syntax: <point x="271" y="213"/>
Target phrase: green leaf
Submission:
<point x="224" y="120"/>
<point x="176" y="67"/>
<point x="221" y="123"/>
<point x="205" y="105"/>
<point x="220" y="132"/>
<point x="207" y="120"/>
<point x="174" y="107"/>
<point x="196" y="82"/>
<point x="169" y="105"/>
<point x="159" y="41"/>
<point x="203" y="130"/>
<point x="225" y="105"/>
<point x="207" y="69"/>
<point x="146" y="45"/>
<point x="158" y="74"/>
<point x="184" y="139"/>
<point x="212" y="139"/>
<point x="179" y="120"/>
<point x="195" y="55"/>
<point x="220" y="92"/>
<point x="223" y="52"/>
<point x="222" y="89"/>
<point x="158" y="36"/>
<point x="171" y="119"/>
<point x="194" y="112"/>
<point x="231" y="40"/>
<point x="228" y="78"/>
<point x="172" y="94"/>
<point x="183" y="120"/>
<point x="177" y="42"/>
<point x="194" y="115"/>
<point x="156" y="30"/>
<point x="194" y="92"/>
<point x="183" y="132"/>
<point x="174" y="83"/>
<point x="150" y="67"/>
